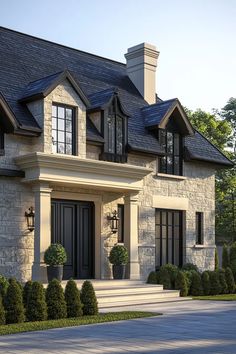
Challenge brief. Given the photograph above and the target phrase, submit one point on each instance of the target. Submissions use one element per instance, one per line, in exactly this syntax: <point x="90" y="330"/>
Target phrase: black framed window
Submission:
<point x="168" y="237"/>
<point x="171" y="162"/>
<point x="63" y="129"/>
<point x="121" y="223"/>
<point x="1" y="142"/>
<point x="115" y="133"/>
<point x="199" y="228"/>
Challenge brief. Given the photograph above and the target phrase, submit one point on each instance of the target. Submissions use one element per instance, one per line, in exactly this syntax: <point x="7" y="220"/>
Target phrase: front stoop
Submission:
<point x="119" y="293"/>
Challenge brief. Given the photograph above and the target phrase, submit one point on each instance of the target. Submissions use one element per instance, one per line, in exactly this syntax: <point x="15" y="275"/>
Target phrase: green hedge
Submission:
<point x="73" y="302"/>
<point x="181" y="283"/>
<point x="55" y="300"/>
<point x="89" y="299"/>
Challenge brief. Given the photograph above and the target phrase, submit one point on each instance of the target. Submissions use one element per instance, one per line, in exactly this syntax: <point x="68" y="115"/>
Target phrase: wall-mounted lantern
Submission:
<point x="113" y="218"/>
<point x="29" y="214"/>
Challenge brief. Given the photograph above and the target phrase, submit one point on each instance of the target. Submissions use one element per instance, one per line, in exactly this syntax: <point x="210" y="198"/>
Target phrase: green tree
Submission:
<point x="72" y="297"/>
<point x="232" y="259"/>
<point x="55" y="300"/>
<point x="181" y="283"/>
<point x="2" y="312"/>
<point x="216" y="260"/>
<point x="36" y="308"/>
<point x="218" y="128"/>
<point x="206" y="283"/>
<point x="229" y="280"/>
<point x="225" y="257"/>
<point x="13" y="303"/>
<point x="89" y="299"/>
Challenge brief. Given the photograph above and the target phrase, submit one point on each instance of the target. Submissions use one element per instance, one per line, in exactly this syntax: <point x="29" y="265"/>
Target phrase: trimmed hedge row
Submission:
<point x="33" y="303"/>
<point x="191" y="282"/>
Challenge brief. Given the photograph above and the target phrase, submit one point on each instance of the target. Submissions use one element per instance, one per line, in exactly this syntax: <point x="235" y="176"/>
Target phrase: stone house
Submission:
<point x="82" y="136"/>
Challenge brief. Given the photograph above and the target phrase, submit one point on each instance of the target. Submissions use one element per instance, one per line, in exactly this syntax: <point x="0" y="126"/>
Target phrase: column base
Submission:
<point x="133" y="270"/>
<point x="39" y="272"/>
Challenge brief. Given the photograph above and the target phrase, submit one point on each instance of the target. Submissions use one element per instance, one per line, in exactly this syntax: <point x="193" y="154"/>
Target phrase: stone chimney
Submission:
<point x="141" y="62"/>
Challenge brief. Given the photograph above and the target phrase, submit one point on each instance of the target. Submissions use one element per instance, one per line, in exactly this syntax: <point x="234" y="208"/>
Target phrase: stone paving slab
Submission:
<point x="193" y="327"/>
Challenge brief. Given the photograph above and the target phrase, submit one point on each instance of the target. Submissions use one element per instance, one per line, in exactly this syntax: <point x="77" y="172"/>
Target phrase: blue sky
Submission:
<point x="196" y="38"/>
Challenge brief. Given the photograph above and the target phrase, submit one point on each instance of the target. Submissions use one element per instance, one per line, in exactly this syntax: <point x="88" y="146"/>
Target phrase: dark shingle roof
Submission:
<point x="29" y="65"/>
<point x="154" y="114"/>
<point x="199" y="148"/>
<point x="37" y="87"/>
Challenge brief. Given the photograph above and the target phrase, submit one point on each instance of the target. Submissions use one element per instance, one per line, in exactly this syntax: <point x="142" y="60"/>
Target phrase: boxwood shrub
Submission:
<point x="13" y="303"/>
<point x="36" y="308"/>
<point x="152" y="278"/>
<point x="72" y="297"/>
<point x="88" y="299"/>
<point x="229" y="280"/>
<point x="181" y="283"/>
<point x="196" y="285"/>
<point x="214" y="283"/>
<point x="206" y="283"/>
<point x="55" y="300"/>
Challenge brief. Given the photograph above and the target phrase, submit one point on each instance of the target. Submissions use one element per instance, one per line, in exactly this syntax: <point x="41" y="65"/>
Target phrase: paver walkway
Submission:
<point x="193" y="327"/>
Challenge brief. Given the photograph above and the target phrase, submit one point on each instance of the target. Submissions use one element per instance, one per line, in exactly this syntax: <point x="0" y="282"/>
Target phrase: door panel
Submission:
<point x="72" y="226"/>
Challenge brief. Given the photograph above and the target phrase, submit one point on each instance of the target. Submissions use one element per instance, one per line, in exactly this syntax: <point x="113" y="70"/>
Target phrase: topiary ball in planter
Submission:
<point x="118" y="258"/>
<point x="55" y="256"/>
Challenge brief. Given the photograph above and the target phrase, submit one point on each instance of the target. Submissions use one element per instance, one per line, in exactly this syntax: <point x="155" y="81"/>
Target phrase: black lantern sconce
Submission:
<point x="113" y="218"/>
<point x="30" y="214"/>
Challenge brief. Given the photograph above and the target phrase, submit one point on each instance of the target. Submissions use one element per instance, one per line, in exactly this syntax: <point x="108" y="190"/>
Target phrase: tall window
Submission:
<point x="115" y="133"/>
<point x="63" y="130"/>
<point x="171" y="142"/>
<point x="1" y="142"/>
<point x="115" y="127"/>
<point x="168" y="237"/>
<point x="199" y="228"/>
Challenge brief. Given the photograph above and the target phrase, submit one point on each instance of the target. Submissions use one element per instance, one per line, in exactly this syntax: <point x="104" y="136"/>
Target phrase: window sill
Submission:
<point x="165" y="175"/>
<point x="204" y="246"/>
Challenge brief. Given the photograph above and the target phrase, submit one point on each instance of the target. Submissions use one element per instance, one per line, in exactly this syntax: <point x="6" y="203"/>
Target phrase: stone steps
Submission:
<point x="124" y="293"/>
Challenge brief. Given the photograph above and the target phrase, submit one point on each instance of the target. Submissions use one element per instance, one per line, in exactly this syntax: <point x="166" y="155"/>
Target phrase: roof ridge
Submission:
<point x="61" y="45"/>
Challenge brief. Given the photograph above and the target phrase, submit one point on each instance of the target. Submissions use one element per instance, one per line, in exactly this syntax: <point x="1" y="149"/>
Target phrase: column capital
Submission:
<point x="42" y="188"/>
<point x="131" y="198"/>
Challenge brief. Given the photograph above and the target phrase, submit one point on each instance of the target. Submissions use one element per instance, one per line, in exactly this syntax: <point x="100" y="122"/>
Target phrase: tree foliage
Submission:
<point x="219" y="127"/>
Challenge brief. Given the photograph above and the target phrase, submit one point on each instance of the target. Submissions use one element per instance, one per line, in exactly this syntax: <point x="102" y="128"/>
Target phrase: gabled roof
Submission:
<point x="157" y="116"/>
<point x="102" y="99"/>
<point x="43" y="87"/>
<point x="31" y="66"/>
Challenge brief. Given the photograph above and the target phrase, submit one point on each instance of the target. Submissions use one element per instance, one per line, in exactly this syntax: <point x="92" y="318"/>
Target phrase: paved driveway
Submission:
<point x="189" y="327"/>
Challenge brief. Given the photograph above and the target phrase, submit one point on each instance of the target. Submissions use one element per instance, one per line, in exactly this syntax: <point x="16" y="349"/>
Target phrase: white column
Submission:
<point x="131" y="235"/>
<point x="42" y="232"/>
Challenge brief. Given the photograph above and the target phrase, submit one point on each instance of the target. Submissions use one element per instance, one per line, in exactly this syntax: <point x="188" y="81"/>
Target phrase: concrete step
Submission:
<point x="110" y="283"/>
<point x="138" y="304"/>
<point x="131" y="290"/>
<point x="109" y="298"/>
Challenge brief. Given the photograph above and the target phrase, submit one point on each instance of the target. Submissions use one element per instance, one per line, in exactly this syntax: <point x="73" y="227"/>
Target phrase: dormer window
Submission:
<point x="171" y="162"/>
<point x="115" y="133"/>
<point x="63" y="132"/>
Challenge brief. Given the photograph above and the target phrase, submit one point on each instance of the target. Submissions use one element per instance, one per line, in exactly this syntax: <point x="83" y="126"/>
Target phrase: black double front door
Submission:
<point x="73" y="226"/>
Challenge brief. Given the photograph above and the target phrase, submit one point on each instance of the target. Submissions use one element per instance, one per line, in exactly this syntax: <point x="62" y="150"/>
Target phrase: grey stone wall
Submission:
<point x="199" y="188"/>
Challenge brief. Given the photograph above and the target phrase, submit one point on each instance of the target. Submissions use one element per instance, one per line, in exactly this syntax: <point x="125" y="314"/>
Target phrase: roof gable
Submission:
<point x="159" y="114"/>
<point x="41" y="88"/>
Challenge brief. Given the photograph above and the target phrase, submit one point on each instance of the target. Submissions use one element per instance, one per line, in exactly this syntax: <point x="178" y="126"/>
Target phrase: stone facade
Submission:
<point x="17" y="244"/>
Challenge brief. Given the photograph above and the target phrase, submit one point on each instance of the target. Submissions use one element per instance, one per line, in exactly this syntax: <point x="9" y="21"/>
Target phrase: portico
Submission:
<point x="74" y="180"/>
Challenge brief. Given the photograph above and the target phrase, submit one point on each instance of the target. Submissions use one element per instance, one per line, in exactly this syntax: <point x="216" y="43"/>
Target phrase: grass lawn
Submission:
<point x="224" y="297"/>
<point x="70" y="322"/>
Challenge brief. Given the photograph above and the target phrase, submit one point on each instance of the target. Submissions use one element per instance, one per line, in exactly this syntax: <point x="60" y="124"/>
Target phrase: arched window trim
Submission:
<point x="115" y="133"/>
